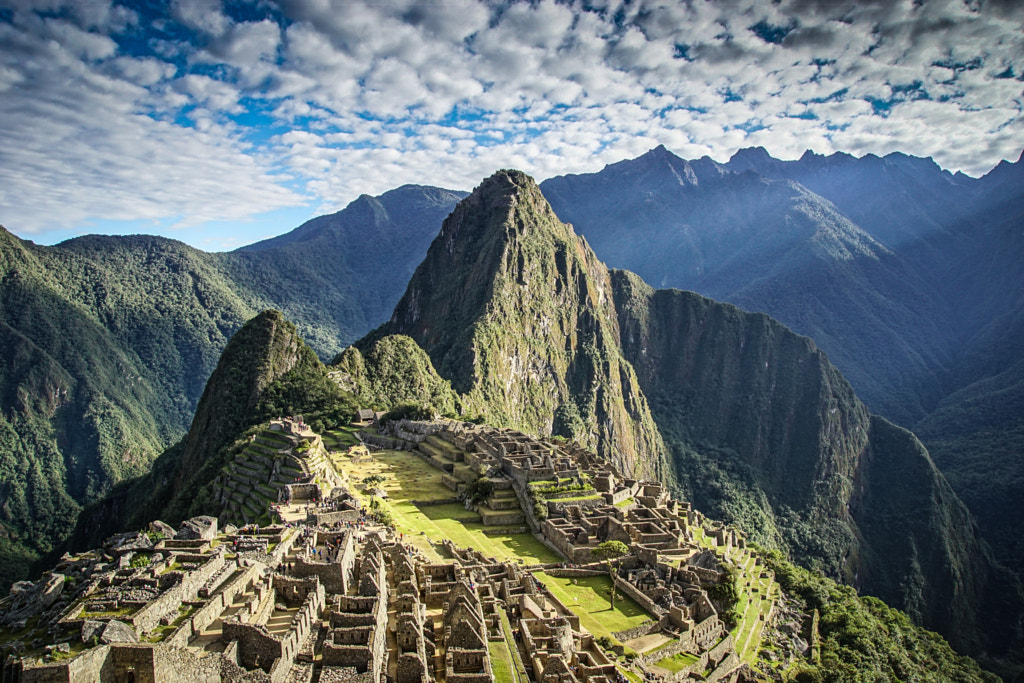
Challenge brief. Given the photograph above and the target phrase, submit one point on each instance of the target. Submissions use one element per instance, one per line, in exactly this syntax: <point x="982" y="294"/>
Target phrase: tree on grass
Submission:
<point x="608" y="551"/>
<point x="372" y="482"/>
<point x="370" y="485"/>
<point x="479" y="490"/>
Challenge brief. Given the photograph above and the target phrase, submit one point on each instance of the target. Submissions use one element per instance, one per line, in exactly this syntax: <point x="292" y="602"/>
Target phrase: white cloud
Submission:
<point x="202" y="15"/>
<point x="381" y="92"/>
<point x="79" y="145"/>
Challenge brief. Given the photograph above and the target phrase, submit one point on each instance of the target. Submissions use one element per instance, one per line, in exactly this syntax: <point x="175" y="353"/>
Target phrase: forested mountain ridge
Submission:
<point x="95" y="378"/>
<point x="109" y="342"/>
<point x="908" y="276"/>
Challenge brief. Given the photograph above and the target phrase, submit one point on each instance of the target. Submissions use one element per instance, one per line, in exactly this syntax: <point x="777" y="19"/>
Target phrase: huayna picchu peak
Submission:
<point x="516" y="311"/>
<point x="539" y="468"/>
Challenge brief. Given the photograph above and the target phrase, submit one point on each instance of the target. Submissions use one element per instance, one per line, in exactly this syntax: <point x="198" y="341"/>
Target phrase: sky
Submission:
<point x="220" y="123"/>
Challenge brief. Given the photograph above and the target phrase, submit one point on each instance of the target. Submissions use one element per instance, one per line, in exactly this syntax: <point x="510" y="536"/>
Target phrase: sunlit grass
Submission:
<point x="589" y="599"/>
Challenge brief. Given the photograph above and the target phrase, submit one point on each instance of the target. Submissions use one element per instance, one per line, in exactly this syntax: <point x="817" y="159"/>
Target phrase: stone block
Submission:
<point x="52" y="589"/>
<point x="92" y="629"/>
<point x="130" y="541"/>
<point x="163" y="528"/>
<point x="119" y="632"/>
<point x="198" y="528"/>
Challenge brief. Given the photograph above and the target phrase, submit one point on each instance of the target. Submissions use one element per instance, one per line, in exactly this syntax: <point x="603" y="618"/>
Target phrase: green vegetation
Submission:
<point x="726" y="594"/>
<point x="408" y="479"/>
<point x="501" y="660"/>
<point x="141" y="560"/>
<point x="589" y="598"/>
<point x="548" y="491"/>
<point x="479" y="490"/>
<point x="393" y="372"/>
<point x="677" y="662"/>
<point x="517" y="671"/>
<point x="608" y="551"/>
<point x="862" y="639"/>
<point x="976" y="438"/>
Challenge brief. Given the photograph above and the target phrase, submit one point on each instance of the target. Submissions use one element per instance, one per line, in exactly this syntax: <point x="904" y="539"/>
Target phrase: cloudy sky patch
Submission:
<point x="224" y="122"/>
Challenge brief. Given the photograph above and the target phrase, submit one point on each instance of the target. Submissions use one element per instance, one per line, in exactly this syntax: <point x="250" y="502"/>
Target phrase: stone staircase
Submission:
<point x="502" y="509"/>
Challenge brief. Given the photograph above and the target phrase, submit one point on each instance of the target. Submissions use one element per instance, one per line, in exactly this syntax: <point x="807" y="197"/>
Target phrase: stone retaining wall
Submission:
<point x="214" y="607"/>
<point x="329" y="518"/>
<point x="257" y="648"/>
<point x="555" y="507"/>
<point x="575" y="573"/>
<point x="643" y="629"/>
<point x="388" y="443"/>
<point x="84" y="668"/>
<point x="429" y="503"/>
<point x="672" y="648"/>
<point x="503" y="532"/>
<point x="644" y="601"/>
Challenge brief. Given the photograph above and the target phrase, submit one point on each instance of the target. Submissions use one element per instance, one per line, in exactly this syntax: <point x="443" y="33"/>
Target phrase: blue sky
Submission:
<point x="221" y="123"/>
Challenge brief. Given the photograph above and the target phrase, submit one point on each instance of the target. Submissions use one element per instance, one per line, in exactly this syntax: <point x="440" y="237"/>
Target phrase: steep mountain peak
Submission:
<point x="515" y="310"/>
<point x="920" y="165"/>
<point x="1005" y="172"/>
<point x="752" y="155"/>
<point x="659" y="152"/>
<point x="265" y="348"/>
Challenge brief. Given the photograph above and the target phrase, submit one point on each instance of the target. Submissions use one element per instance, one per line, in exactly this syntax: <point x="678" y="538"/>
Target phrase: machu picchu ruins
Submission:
<point x="361" y="577"/>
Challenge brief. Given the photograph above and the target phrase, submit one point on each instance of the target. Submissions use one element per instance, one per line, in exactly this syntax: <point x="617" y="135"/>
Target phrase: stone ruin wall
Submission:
<point x="148" y="618"/>
<point x="257" y="648"/>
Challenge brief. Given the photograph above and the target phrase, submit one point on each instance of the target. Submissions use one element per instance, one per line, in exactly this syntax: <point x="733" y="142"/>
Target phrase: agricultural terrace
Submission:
<point x="407" y="478"/>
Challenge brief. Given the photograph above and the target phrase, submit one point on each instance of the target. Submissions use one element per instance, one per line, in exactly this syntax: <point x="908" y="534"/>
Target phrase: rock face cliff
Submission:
<point x="749" y="407"/>
<point x="516" y="311"/>
<point x="764" y="431"/>
<point x="749" y="419"/>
